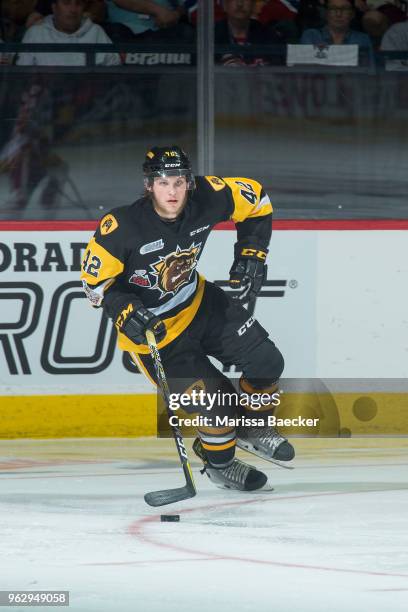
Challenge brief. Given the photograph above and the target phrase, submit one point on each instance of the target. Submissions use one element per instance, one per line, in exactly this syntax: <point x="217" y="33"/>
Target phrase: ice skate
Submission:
<point x="265" y="442"/>
<point x="239" y="475"/>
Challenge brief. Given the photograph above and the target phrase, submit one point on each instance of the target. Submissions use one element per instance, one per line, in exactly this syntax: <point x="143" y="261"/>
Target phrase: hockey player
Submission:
<point x="140" y="266"/>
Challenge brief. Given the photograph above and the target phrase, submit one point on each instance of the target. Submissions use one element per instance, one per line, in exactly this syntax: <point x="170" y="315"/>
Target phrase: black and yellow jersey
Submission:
<point x="135" y="253"/>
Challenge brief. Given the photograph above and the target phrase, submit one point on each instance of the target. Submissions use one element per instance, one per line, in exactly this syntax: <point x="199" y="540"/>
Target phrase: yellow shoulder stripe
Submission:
<point x="99" y="264"/>
<point x="216" y="182"/>
<point x="248" y="202"/>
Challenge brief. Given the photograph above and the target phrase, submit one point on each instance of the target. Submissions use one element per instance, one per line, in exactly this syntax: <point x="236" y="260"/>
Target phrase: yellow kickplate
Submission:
<point x="345" y="414"/>
<point x="67" y="416"/>
<point x="323" y="414"/>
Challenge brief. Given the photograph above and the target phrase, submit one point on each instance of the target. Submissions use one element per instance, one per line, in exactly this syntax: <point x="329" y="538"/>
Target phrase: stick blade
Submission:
<point x="169" y="496"/>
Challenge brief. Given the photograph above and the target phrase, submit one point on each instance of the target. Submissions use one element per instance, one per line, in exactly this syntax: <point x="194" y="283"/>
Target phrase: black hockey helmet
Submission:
<point x="167" y="161"/>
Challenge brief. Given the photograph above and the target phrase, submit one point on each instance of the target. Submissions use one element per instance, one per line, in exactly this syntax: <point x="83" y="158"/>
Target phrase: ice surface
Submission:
<point x="330" y="537"/>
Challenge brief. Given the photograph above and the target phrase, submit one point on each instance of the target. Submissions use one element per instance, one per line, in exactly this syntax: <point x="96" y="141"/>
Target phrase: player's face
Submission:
<point x="169" y="195"/>
<point x="68" y="15"/>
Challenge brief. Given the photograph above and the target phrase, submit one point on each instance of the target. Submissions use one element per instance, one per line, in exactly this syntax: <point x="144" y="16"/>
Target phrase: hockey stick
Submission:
<point x="169" y="496"/>
<point x="251" y="305"/>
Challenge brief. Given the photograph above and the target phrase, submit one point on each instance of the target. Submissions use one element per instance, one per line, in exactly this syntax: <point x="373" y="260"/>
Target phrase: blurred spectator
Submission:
<point x="151" y="20"/>
<point x="27" y="158"/>
<point x="283" y="15"/>
<point x="13" y="14"/>
<point x="394" y="13"/>
<point x="16" y="10"/>
<point x="6" y="58"/>
<point x="69" y="26"/>
<point x="191" y="10"/>
<point x="276" y="10"/>
<point x="396" y="38"/>
<point x="94" y="9"/>
<point x="375" y="24"/>
<point x="238" y="28"/>
<point x="337" y="31"/>
<point x="311" y="14"/>
<point x="375" y="16"/>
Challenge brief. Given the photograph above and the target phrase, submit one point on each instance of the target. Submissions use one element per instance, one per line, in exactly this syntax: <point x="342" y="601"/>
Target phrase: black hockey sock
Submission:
<point x="258" y="402"/>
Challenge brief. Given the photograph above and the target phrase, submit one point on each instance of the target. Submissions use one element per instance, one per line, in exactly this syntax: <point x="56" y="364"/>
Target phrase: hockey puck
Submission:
<point x="169" y="518"/>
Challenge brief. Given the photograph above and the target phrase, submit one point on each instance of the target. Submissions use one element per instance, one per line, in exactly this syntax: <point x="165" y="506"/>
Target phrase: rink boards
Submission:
<point x="335" y="304"/>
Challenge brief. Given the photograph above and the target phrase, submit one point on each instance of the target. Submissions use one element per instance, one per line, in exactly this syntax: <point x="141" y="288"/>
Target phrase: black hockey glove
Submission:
<point x="248" y="273"/>
<point x="135" y="319"/>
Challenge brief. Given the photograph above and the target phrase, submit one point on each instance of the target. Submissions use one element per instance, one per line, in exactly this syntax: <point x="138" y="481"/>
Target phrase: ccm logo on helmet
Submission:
<point x="246" y="326"/>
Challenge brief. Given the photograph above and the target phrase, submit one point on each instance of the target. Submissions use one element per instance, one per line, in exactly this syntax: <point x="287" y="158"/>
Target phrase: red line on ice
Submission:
<point x="22" y="464"/>
<point x="137" y="528"/>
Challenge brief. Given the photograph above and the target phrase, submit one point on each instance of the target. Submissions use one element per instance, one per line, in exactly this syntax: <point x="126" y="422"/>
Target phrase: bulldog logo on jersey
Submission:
<point x="175" y="269"/>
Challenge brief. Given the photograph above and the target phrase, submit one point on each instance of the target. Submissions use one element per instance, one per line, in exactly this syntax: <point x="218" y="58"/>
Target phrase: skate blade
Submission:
<point x="265" y="489"/>
<point x="250" y="449"/>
